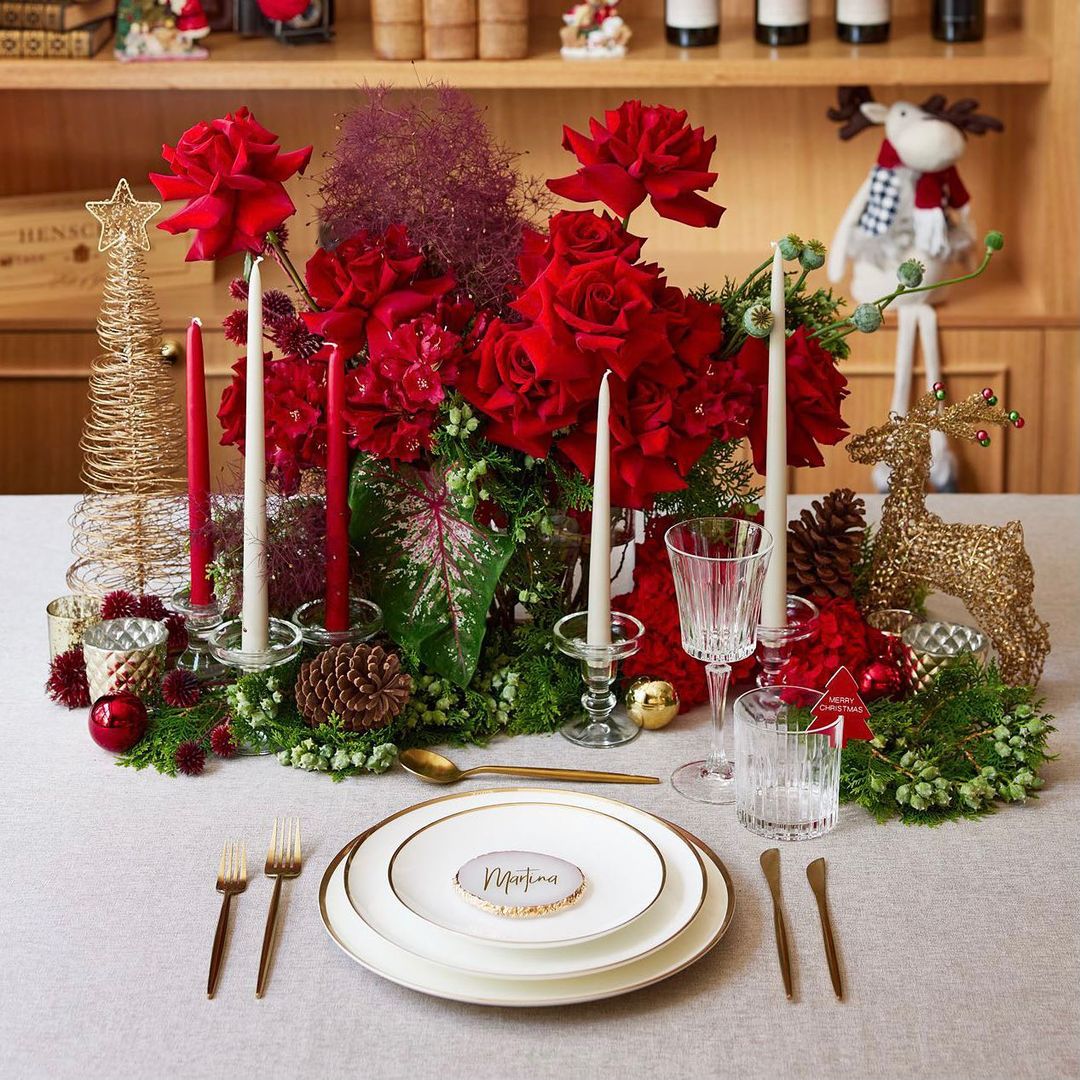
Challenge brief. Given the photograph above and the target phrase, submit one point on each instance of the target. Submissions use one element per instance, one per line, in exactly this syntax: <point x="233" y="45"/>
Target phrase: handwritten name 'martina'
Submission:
<point x="505" y="880"/>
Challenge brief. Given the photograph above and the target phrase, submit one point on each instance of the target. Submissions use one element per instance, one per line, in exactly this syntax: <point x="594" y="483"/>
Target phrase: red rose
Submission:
<point x="576" y="236"/>
<point x="232" y="173"/>
<point x="528" y="383"/>
<point x="393" y="396"/>
<point x="643" y="151"/>
<point x="367" y="286"/>
<point x="815" y="388"/>
<point x="607" y="307"/>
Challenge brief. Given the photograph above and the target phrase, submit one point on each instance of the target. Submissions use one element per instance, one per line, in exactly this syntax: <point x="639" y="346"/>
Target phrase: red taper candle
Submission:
<point x="198" y="465"/>
<point x="337" y="498"/>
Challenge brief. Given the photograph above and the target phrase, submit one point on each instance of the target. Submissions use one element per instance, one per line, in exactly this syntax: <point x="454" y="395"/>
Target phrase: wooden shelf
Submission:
<point x="998" y="302"/>
<point x="1008" y="56"/>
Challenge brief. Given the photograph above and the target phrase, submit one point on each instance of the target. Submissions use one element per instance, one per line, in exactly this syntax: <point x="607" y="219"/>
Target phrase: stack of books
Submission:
<point x="54" y="29"/>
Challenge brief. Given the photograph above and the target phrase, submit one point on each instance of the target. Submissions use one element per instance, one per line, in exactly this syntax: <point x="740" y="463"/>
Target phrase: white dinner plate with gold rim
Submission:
<point x="623" y="870"/>
<point x="388" y="960"/>
<point x="368" y="889"/>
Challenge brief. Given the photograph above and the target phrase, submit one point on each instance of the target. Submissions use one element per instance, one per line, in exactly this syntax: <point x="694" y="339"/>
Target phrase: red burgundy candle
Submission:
<point x="337" y="499"/>
<point x="198" y="464"/>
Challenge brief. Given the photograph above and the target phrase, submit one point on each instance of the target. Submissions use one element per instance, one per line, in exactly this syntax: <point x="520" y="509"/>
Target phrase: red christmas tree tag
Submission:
<point x="841" y="698"/>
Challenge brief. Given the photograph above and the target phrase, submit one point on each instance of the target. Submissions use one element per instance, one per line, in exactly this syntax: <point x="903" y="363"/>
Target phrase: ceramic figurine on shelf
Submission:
<point x="594" y="30"/>
<point x="912" y="205"/>
<point x="160" y="30"/>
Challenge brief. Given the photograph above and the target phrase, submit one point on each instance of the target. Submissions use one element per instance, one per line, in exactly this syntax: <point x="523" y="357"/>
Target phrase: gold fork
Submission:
<point x="283" y="860"/>
<point x="231" y="880"/>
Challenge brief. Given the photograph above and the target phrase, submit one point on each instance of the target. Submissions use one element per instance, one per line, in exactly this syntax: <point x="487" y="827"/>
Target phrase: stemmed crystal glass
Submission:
<point x="719" y="567"/>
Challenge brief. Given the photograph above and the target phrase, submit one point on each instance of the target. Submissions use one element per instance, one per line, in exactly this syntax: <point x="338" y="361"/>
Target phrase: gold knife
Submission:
<point x="815" y="874"/>
<point x="770" y="864"/>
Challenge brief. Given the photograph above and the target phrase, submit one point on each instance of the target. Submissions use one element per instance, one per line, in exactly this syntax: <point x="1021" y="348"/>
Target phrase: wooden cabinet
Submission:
<point x="75" y="125"/>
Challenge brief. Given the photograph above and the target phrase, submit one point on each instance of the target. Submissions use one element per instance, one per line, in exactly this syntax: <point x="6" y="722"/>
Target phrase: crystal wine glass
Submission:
<point x="719" y="567"/>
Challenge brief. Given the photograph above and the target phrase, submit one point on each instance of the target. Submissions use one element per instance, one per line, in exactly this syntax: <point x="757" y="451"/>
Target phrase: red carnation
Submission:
<point x="815" y="388"/>
<point x="367" y="286"/>
<point x="232" y="173"/>
<point x="643" y="151"/>
<point x="843" y="638"/>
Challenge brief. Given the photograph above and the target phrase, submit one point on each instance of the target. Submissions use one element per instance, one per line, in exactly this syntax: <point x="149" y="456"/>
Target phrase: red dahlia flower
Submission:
<point x="367" y="286"/>
<point x="643" y="152"/>
<point x="815" y="388"/>
<point x="232" y="173"/>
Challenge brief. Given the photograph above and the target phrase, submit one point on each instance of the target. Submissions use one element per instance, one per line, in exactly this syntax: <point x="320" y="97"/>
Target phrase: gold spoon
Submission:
<point x="436" y="769"/>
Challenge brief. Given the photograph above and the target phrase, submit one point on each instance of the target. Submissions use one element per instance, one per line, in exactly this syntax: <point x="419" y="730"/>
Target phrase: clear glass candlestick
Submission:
<point x="600" y="724"/>
<point x="719" y="568"/>
<point x="200" y="620"/>
<point x="365" y="621"/>
<point x="284" y="643"/>
<point x="775" y="642"/>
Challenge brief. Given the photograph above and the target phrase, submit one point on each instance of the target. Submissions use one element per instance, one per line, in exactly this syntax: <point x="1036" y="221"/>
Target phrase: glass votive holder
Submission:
<point x="599" y="724"/>
<point x="931" y="646"/>
<point x="365" y="621"/>
<point x="199" y="621"/>
<point x="284" y="642"/>
<point x="69" y="617"/>
<point x="892" y="621"/>
<point x="124" y="654"/>
<point x="787" y="778"/>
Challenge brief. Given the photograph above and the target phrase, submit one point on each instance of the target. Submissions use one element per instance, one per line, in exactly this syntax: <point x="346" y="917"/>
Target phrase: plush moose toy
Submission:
<point x="912" y="205"/>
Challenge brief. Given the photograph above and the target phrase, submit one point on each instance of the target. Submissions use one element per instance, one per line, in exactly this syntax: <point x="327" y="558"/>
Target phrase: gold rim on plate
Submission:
<point x="694" y="841"/>
<point x="496" y="941"/>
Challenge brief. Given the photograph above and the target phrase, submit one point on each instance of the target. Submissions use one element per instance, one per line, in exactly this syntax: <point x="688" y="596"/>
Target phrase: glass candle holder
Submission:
<point x="775" y="642"/>
<point x="892" y="621"/>
<point x="787" y="779"/>
<point x="200" y="620"/>
<point x="365" y="621"/>
<point x="124" y="654"/>
<point x="284" y="643"/>
<point x="599" y="725"/>
<point x="932" y="646"/>
<point x="69" y="617"/>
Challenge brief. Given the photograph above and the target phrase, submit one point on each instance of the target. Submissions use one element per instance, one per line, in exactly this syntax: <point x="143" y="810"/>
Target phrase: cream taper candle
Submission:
<point x="598" y="625"/>
<point x="774" y="596"/>
<point x="255" y="609"/>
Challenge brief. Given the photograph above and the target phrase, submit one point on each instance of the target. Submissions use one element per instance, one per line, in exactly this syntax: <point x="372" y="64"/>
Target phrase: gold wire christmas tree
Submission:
<point x="127" y="528"/>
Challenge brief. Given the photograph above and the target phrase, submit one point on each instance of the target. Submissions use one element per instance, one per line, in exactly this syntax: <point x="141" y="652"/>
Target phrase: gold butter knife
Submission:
<point x="770" y="864"/>
<point x="815" y="874"/>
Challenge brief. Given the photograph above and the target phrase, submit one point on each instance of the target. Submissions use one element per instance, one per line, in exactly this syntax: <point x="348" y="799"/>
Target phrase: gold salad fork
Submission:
<point x="231" y="880"/>
<point x="283" y="860"/>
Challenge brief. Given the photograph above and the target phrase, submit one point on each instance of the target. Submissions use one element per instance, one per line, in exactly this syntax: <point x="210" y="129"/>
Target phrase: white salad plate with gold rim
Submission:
<point x="389" y="960"/>
<point x="367" y="885"/>
<point x="615" y="873"/>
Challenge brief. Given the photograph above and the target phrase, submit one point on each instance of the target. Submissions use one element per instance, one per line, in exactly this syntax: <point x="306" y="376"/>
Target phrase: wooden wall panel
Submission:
<point x="1059" y="431"/>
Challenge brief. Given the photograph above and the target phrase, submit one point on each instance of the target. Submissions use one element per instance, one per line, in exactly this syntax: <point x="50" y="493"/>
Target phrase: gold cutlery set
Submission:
<point x="815" y="875"/>
<point x="283" y="860"/>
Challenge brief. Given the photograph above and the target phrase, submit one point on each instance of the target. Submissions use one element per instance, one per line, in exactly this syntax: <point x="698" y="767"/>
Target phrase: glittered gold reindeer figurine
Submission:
<point x="984" y="566"/>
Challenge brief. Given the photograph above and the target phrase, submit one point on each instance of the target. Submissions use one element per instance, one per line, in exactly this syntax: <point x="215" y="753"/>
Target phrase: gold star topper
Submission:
<point x="123" y="216"/>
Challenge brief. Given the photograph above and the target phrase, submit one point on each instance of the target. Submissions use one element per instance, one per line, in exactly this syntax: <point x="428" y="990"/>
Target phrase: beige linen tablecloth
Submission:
<point x="958" y="945"/>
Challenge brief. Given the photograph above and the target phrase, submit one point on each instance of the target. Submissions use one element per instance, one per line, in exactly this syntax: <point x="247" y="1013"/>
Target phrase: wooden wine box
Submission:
<point x="49" y="247"/>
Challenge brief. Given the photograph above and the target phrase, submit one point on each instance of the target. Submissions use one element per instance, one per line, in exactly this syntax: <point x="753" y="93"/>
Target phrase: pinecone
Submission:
<point x="363" y="685"/>
<point x="824" y="545"/>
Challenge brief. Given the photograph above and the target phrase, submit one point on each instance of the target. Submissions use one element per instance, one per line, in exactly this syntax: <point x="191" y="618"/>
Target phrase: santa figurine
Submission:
<point x="191" y="20"/>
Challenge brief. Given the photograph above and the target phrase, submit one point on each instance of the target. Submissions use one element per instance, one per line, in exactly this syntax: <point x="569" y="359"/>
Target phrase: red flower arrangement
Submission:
<point x="643" y="152"/>
<point x="232" y="173"/>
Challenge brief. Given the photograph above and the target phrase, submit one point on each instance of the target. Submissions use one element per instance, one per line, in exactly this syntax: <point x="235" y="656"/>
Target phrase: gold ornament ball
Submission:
<point x="652" y="703"/>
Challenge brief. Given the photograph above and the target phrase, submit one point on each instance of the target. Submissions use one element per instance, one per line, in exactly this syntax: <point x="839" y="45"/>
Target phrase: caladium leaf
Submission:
<point x="433" y="571"/>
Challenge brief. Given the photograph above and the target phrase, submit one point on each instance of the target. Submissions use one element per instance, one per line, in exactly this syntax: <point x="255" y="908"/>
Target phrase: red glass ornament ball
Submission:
<point x="1018" y="422"/>
<point x="982" y="435"/>
<point x="880" y="678"/>
<point x="117" y="722"/>
<point x="987" y="392"/>
<point x="938" y="386"/>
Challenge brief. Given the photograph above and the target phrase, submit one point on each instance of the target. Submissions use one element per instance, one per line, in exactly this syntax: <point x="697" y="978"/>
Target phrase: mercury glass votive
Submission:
<point x="124" y="655"/>
<point x="932" y="646"/>
<point x="69" y="617"/>
<point x="365" y="621"/>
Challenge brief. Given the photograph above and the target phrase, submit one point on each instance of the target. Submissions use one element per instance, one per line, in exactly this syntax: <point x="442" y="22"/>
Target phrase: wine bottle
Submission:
<point x="958" y="20"/>
<point x="690" y="23"/>
<point x="782" y="22"/>
<point x="863" y="22"/>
